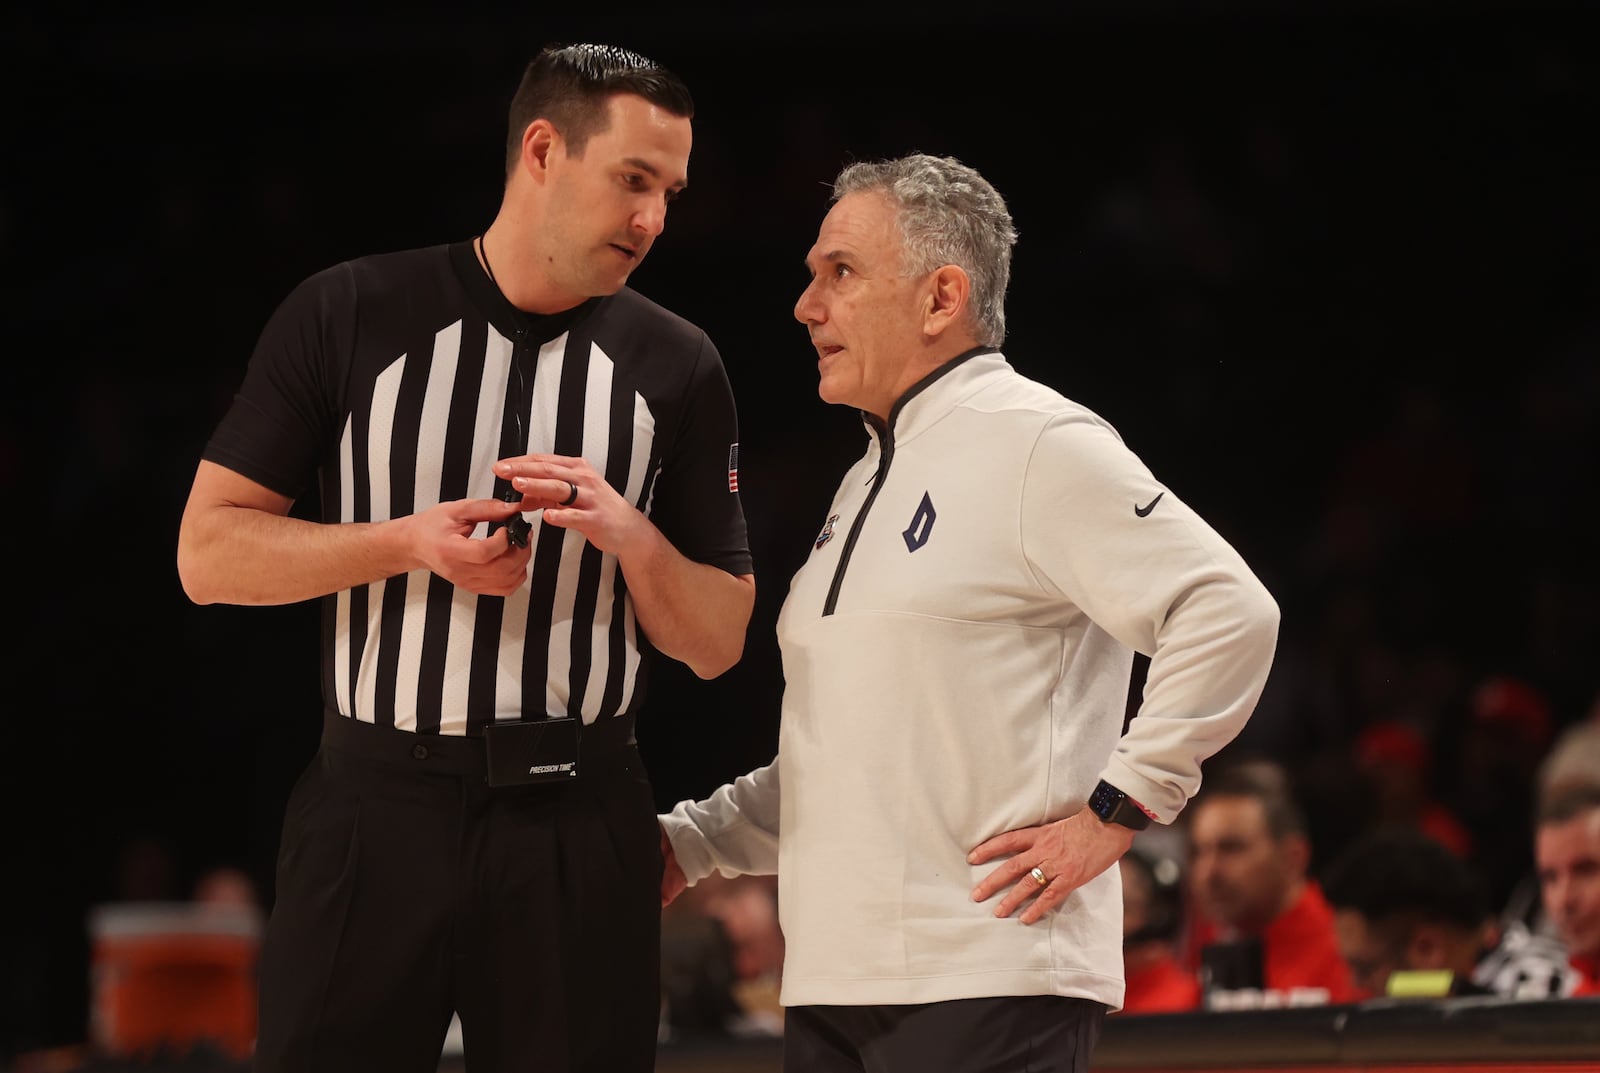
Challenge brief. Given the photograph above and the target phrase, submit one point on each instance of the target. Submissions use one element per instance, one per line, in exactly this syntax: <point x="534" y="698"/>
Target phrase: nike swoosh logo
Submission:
<point x="1145" y="510"/>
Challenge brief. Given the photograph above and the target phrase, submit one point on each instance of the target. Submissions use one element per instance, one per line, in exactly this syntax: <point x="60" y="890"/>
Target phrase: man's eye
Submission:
<point x="841" y="271"/>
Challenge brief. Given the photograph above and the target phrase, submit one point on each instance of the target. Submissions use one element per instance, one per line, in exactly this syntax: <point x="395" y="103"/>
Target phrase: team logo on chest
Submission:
<point x="827" y="530"/>
<point x="916" y="534"/>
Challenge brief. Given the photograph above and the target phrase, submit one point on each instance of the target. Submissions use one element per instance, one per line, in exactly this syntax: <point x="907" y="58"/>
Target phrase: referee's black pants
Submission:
<point x="408" y="889"/>
<point x="1006" y="1034"/>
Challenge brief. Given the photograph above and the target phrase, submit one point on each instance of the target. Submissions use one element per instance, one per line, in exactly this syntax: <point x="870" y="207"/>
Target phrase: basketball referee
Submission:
<point x="527" y="476"/>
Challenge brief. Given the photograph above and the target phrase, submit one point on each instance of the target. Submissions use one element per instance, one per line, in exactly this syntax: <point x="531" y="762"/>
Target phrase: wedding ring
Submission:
<point x="1038" y="877"/>
<point x="573" y="498"/>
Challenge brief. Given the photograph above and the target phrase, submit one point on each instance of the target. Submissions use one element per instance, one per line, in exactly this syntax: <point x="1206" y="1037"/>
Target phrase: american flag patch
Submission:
<point x="733" y="468"/>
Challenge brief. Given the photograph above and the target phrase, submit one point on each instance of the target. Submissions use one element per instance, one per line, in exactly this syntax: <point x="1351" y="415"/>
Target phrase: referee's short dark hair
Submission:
<point x="570" y="86"/>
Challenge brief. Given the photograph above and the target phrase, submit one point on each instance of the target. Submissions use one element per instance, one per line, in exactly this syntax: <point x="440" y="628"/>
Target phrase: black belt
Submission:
<point x="608" y="744"/>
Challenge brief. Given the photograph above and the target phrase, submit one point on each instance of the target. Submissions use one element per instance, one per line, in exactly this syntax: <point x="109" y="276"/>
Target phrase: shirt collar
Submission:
<point x="936" y="394"/>
<point x="508" y="320"/>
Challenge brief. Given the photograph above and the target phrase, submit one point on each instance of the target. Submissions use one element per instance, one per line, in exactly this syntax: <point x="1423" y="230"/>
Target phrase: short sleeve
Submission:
<point x="697" y="505"/>
<point x="286" y="411"/>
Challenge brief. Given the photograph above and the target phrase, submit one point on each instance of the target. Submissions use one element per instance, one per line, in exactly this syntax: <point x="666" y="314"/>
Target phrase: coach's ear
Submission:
<point x="945" y="301"/>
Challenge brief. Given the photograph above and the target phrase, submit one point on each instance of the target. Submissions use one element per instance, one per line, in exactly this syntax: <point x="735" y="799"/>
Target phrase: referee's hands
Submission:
<point x="441" y="539"/>
<point x="574" y="496"/>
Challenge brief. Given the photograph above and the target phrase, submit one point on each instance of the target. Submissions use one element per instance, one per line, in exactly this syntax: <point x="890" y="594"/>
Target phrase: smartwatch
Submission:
<point x="1114" y="806"/>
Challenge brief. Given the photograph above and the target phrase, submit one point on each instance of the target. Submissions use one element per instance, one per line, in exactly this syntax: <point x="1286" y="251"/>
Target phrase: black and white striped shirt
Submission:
<point x="397" y="381"/>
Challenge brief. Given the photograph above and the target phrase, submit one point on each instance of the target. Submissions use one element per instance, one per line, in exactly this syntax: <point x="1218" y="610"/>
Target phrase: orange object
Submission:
<point x="167" y="976"/>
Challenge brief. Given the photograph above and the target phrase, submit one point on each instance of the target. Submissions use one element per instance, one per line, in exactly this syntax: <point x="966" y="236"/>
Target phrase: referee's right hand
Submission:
<point x="441" y="539"/>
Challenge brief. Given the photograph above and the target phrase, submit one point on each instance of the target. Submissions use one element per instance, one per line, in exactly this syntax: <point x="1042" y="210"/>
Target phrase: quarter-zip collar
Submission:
<point x="918" y="408"/>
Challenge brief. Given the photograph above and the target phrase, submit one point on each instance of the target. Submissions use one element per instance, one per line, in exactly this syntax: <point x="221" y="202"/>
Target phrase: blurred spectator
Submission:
<point x="1152" y="919"/>
<point x="1567" y="853"/>
<point x="225" y="885"/>
<point x="1531" y="960"/>
<point x="722" y="958"/>
<point x="1405" y="903"/>
<point x="747" y="908"/>
<point x="1263" y="930"/>
<point x="1573" y="761"/>
<point x="1397" y="762"/>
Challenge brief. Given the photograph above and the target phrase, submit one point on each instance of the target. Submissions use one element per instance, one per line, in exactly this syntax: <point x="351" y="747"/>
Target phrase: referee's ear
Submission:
<point x="537" y="142"/>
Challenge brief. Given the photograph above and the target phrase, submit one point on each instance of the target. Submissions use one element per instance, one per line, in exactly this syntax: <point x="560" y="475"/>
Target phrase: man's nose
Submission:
<point x="652" y="216"/>
<point x="807" y="310"/>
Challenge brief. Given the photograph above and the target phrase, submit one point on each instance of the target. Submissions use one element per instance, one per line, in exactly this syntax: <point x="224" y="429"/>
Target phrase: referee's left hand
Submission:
<point x="604" y="518"/>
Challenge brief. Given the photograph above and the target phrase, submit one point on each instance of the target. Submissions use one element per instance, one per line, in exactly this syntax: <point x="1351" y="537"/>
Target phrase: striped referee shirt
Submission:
<point x="395" y="382"/>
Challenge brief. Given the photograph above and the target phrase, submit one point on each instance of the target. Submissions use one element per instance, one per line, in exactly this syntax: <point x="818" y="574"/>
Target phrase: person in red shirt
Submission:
<point x="1263" y="933"/>
<point x="1566" y="853"/>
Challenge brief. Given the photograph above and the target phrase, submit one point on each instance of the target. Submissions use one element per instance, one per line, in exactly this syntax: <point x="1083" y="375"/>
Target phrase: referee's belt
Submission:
<point x="511" y="752"/>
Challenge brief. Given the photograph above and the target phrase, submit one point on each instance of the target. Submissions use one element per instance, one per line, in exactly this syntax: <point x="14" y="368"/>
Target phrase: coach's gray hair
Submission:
<point x="948" y="215"/>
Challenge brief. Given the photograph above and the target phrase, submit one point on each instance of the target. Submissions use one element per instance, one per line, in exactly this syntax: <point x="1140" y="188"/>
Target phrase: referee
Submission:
<point x="527" y="477"/>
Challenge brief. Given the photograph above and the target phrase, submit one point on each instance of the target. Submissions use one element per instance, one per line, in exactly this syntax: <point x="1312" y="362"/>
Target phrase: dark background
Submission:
<point x="1330" y="269"/>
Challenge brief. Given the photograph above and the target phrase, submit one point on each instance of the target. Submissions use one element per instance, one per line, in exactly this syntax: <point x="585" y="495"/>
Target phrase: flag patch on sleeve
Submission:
<point x="733" y="468"/>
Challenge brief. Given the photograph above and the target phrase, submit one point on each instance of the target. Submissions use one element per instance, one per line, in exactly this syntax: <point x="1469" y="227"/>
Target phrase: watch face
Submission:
<point x="1114" y="806"/>
<point x="1104" y="800"/>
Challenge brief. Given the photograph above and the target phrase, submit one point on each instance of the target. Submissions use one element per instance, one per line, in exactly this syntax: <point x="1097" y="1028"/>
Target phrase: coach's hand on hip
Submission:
<point x="1048" y="862"/>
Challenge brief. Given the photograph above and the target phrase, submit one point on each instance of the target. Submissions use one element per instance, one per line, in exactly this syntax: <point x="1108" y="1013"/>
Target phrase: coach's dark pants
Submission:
<point x="1013" y="1034"/>
<point x="408" y="889"/>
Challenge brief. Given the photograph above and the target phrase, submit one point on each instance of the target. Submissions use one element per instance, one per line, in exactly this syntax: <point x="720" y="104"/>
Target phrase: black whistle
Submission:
<point x="517" y="527"/>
